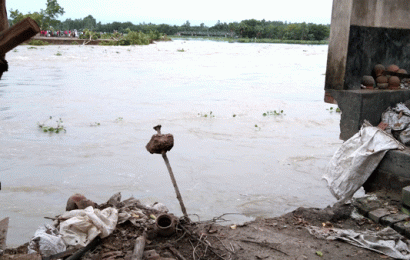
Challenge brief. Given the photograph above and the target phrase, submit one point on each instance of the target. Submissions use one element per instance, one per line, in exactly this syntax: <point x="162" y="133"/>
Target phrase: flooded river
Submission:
<point x="109" y="98"/>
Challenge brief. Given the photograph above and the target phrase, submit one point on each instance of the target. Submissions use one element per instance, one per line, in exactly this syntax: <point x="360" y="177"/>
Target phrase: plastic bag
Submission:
<point x="356" y="159"/>
<point x="82" y="226"/>
<point x="46" y="241"/>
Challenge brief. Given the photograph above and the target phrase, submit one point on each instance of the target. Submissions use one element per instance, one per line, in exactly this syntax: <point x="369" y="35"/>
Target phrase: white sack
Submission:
<point x="356" y="159"/>
<point x="83" y="225"/>
<point x="47" y="241"/>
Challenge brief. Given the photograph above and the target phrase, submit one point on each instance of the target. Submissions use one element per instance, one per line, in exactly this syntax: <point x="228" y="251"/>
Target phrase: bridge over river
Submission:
<point x="205" y="33"/>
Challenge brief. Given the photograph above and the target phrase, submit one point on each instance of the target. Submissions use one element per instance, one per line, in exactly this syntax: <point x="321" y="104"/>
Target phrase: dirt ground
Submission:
<point x="284" y="237"/>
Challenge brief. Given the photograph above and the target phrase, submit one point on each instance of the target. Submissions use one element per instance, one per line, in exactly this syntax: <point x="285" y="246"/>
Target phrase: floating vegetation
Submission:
<point x="206" y="115"/>
<point x="32" y="48"/>
<point x="331" y="110"/>
<point x="47" y="127"/>
<point x="58" y="54"/>
<point x="119" y="119"/>
<point x="181" y="50"/>
<point x="273" y="113"/>
<point x="233" y="115"/>
<point x="95" y="124"/>
<point x="257" y="127"/>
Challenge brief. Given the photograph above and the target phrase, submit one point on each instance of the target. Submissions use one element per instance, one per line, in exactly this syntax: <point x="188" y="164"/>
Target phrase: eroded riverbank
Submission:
<point x="251" y="164"/>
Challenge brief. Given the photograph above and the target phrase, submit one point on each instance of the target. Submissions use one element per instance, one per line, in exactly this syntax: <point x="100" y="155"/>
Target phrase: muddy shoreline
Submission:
<point x="284" y="237"/>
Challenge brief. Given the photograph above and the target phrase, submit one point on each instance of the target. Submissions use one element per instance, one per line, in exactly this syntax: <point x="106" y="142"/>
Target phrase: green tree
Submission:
<point x="45" y="18"/>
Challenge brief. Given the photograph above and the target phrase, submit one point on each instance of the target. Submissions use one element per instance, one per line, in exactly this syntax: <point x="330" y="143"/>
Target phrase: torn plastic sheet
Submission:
<point x="356" y="159"/>
<point x="386" y="241"/>
<point x="81" y="226"/>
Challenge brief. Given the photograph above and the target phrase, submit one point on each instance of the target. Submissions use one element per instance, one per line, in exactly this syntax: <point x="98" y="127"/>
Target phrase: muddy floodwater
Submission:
<point x="234" y="160"/>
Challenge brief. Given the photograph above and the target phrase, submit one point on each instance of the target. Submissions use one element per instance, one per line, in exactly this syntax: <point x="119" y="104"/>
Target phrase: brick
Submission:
<point x="390" y="220"/>
<point x="405" y="196"/>
<point x="365" y="205"/>
<point x="377" y="214"/>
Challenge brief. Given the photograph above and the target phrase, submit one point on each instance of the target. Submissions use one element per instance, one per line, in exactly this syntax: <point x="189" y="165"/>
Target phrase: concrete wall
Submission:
<point x="391" y="14"/>
<point x="381" y="13"/>
<point x="339" y="38"/>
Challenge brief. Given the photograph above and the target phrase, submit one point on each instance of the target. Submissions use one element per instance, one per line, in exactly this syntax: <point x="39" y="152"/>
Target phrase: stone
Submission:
<point x="405" y="196"/>
<point x="79" y="201"/>
<point x="377" y="214"/>
<point x="365" y="205"/>
<point x="390" y="220"/>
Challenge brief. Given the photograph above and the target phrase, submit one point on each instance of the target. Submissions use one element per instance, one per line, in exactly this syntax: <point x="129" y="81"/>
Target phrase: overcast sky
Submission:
<point x="176" y="12"/>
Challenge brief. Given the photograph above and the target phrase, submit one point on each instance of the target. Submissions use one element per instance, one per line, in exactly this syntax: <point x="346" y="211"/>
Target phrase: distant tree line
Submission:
<point x="252" y="28"/>
<point x="245" y="29"/>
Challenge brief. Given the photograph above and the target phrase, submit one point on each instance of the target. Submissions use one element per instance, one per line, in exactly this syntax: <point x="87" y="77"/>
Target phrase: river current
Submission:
<point x="235" y="160"/>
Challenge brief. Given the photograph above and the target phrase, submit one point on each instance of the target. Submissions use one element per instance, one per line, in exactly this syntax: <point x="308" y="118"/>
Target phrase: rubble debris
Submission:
<point x="4" y="225"/>
<point x="139" y="247"/>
